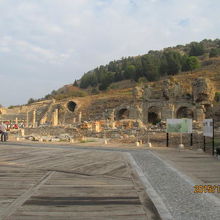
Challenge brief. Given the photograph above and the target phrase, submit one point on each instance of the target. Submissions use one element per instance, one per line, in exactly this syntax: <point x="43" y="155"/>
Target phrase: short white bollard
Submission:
<point x="149" y="144"/>
<point x="181" y="147"/>
<point x="72" y="140"/>
<point x="22" y="132"/>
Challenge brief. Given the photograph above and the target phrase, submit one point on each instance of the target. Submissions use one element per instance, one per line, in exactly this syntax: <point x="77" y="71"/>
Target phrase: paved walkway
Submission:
<point x="170" y="176"/>
<point x="43" y="182"/>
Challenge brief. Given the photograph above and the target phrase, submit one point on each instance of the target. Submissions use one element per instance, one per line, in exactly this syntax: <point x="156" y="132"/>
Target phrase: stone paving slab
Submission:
<point x="56" y="183"/>
<point x="175" y="189"/>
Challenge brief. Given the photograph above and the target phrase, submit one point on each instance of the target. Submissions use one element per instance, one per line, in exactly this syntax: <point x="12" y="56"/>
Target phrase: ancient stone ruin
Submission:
<point x="147" y="105"/>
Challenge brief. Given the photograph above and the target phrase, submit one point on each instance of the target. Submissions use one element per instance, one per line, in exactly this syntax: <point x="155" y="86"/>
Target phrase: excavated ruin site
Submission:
<point x="90" y="157"/>
<point x="127" y="116"/>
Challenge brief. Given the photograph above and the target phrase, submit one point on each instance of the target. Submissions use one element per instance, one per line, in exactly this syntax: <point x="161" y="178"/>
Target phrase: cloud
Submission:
<point x="57" y="41"/>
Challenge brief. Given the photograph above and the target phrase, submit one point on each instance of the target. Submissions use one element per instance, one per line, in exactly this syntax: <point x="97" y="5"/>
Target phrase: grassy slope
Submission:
<point x="211" y="71"/>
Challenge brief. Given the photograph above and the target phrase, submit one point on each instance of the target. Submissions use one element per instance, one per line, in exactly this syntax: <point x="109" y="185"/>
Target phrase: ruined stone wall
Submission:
<point x="172" y="101"/>
<point x="50" y="131"/>
<point x="152" y="103"/>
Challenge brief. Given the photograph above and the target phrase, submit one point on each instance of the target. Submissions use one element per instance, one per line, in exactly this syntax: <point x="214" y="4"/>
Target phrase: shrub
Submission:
<point x="217" y="96"/>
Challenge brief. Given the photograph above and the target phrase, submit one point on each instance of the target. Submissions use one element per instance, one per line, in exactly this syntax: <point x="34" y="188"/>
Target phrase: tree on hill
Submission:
<point x="108" y="78"/>
<point x="170" y="63"/>
<point x="191" y="63"/>
<point x="75" y="83"/>
<point x="30" y="101"/>
<point x="152" y="66"/>
<point x="196" y="49"/>
<point x="214" y="52"/>
<point x="88" y="80"/>
<point x="130" y="72"/>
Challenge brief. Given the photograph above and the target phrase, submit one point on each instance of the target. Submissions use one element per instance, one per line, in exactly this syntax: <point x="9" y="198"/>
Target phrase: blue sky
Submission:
<point x="45" y="44"/>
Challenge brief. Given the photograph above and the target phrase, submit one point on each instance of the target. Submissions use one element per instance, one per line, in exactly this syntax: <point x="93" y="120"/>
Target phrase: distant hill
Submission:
<point x="152" y="66"/>
<point x="197" y="58"/>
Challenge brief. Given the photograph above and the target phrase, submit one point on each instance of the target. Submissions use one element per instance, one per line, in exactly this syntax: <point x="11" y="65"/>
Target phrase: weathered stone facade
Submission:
<point x="172" y="101"/>
<point x="148" y="104"/>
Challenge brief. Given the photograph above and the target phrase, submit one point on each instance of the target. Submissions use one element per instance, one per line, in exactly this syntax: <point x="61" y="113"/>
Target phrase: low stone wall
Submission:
<point x="50" y="131"/>
<point x="157" y="138"/>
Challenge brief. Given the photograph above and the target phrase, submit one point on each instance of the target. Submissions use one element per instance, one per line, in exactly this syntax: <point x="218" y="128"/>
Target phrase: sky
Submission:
<point x="45" y="44"/>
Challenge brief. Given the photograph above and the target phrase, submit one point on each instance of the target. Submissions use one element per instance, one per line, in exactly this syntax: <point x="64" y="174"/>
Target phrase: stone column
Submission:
<point x="97" y="126"/>
<point x="16" y="120"/>
<point x="145" y="113"/>
<point x="112" y="117"/>
<point x="27" y="120"/>
<point x="80" y="117"/>
<point x="56" y="117"/>
<point x="22" y="132"/>
<point x="113" y="125"/>
<point x="34" y="119"/>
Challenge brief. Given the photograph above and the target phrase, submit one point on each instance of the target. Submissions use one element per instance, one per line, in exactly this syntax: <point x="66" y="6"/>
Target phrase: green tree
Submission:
<point x="108" y="78"/>
<point x="94" y="91"/>
<point x="87" y="80"/>
<point x="48" y="96"/>
<point x="214" y="52"/>
<point x="150" y="67"/>
<point x="196" y="49"/>
<point x="217" y="96"/>
<point x="118" y="77"/>
<point x="130" y="72"/>
<point x="75" y="83"/>
<point x="171" y="63"/>
<point x="191" y="63"/>
<point x="30" y="101"/>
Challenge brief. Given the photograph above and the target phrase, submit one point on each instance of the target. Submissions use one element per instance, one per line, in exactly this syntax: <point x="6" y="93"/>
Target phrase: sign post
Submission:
<point x="191" y="139"/>
<point x="213" y="138"/>
<point x="167" y="139"/>
<point x="181" y="126"/>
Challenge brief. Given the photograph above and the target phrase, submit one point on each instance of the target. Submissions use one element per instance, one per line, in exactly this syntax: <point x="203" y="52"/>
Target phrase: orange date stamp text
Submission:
<point x="206" y="189"/>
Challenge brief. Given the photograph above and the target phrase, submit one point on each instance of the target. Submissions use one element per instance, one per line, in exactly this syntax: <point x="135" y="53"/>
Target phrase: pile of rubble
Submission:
<point x="60" y="138"/>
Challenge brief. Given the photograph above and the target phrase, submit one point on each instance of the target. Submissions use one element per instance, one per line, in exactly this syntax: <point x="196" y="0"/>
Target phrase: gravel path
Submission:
<point x="174" y="190"/>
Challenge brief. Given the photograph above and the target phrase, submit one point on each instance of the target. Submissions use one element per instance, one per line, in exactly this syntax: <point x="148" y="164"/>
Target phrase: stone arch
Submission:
<point x="154" y="115"/>
<point x="184" y="112"/>
<point x="123" y="113"/>
<point x="71" y="105"/>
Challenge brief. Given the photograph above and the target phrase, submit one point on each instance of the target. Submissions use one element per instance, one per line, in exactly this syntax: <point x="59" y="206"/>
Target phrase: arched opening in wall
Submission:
<point x="154" y="115"/>
<point x="0" y="112"/>
<point x="153" y="118"/>
<point x="184" y="112"/>
<point x="71" y="106"/>
<point x="123" y="114"/>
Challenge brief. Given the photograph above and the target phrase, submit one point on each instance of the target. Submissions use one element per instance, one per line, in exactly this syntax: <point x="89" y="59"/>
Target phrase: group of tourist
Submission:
<point x="3" y="132"/>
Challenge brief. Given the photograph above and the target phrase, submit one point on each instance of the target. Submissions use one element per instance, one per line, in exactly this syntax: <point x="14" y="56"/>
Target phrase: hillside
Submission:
<point x="194" y="59"/>
<point x="152" y="66"/>
<point x="119" y="96"/>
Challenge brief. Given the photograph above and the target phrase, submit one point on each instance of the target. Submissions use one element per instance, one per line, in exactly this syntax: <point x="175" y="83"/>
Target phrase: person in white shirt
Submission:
<point x="4" y="134"/>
